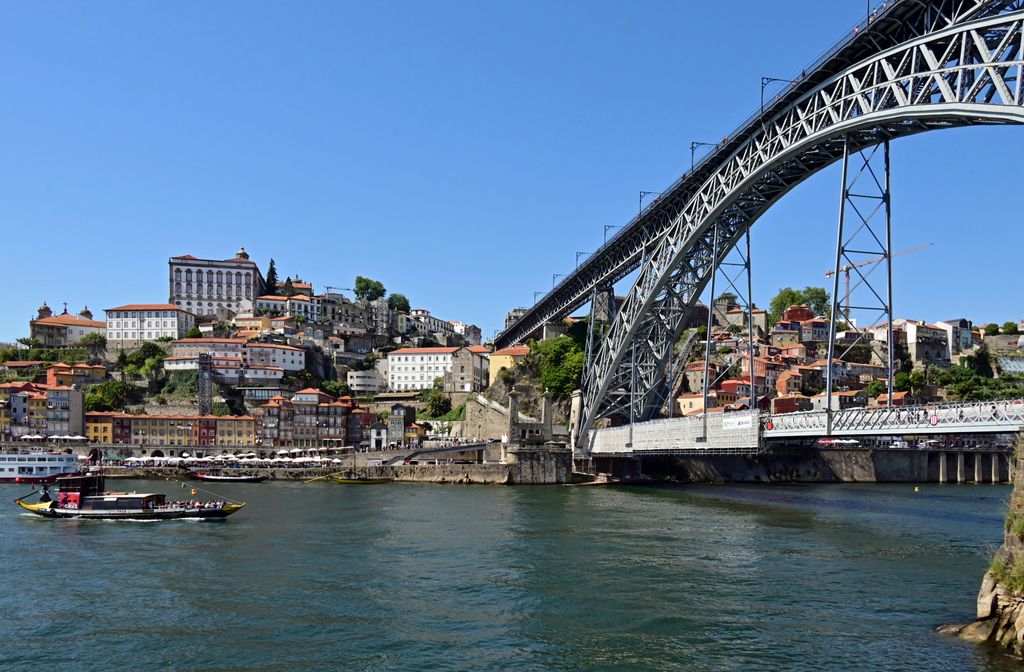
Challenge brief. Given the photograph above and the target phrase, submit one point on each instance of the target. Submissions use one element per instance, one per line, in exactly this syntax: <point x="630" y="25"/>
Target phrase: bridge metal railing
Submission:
<point x="989" y="416"/>
<point x="724" y="433"/>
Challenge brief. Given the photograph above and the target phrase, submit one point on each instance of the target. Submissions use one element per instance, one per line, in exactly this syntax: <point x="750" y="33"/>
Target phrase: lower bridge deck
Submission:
<point x="752" y="432"/>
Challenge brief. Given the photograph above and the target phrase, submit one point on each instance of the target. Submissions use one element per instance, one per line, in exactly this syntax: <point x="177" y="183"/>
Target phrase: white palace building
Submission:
<point x="202" y="286"/>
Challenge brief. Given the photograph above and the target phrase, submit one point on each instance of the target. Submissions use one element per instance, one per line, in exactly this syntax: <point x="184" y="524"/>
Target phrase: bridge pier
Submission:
<point x="960" y="471"/>
<point x="942" y="467"/>
<point x="977" y="468"/>
<point x="995" y="467"/>
<point x="1009" y="468"/>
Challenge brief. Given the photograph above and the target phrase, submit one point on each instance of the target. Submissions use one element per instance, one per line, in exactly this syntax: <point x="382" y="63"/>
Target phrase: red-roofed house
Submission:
<point x="63" y="329"/>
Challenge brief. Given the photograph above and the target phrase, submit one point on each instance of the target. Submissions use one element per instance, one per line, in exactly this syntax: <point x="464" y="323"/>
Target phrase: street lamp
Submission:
<point x="607" y="227"/>
<point x="642" y="195"/>
<point x="693" y="150"/>
<point x="536" y="294"/>
<point x="555" y="276"/>
<point x="578" y="258"/>
<point x="765" y="81"/>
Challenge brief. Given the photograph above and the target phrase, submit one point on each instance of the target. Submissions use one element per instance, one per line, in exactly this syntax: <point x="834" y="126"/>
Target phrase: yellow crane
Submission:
<point x="871" y="260"/>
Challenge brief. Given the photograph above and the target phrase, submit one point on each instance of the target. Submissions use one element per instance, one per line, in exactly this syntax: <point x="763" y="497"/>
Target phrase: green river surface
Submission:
<point x="423" y="577"/>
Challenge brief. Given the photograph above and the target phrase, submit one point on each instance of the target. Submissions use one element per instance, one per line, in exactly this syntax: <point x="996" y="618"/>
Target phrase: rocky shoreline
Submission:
<point x="1000" y="615"/>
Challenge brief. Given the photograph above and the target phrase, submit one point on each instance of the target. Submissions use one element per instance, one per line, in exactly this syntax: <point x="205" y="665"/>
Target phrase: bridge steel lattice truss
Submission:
<point x="919" y="65"/>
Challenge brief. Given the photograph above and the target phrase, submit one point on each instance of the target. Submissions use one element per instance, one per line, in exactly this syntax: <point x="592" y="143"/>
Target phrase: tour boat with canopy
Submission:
<point x="85" y="497"/>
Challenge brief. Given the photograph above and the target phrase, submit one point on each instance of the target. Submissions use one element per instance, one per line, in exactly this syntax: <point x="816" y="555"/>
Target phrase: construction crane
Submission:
<point x="871" y="260"/>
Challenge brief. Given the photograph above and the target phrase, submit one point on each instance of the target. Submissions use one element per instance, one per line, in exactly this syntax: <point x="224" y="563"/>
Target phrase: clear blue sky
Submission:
<point x="460" y="152"/>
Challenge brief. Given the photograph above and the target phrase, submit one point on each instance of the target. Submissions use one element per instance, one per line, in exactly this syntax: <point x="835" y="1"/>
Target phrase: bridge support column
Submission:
<point x="863" y="242"/>
<point x="960" y="471"/>
<point x="977" y="468"/>
<point x="1009" y="468"/>
<point x="942" y="467"/>
<point x="995" y="467"/>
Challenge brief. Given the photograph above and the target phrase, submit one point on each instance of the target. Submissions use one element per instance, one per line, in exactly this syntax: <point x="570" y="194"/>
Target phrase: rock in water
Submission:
<point x="987" y="597"/>
<point x="979" y="631"/>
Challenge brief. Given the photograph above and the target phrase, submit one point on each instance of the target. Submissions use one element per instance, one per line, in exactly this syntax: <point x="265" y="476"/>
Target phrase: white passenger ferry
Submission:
<point x="36" y="467"/>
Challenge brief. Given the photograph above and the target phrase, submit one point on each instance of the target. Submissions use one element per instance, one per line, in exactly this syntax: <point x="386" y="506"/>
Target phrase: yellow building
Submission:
<point x="506" y="358"/>
<point x="99" y="427"/>
<point x="37" y="413"/>
<point x="236" y="431"/>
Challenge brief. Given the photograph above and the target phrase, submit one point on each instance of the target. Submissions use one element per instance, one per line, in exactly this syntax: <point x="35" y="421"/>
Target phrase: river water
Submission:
<point x="421" y="577"/>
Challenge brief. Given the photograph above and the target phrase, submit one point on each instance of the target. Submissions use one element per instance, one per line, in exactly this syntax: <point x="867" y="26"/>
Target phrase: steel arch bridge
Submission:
<point x="916" y="66"/>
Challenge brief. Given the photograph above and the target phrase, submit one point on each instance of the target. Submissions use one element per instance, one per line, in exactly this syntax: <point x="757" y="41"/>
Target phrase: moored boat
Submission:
<point x="85" y="497"/>
<point x="36" y="467"/>
<point x="360" y="481"/>
<point x="227" y="478"/>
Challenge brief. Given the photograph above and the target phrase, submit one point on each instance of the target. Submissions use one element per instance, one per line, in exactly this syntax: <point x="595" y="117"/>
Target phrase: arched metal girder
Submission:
<point x="899" y="23"/>
<point x="967" y="74"/>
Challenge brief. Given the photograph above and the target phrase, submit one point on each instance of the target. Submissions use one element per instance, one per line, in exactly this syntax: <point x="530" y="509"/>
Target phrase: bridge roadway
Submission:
<point x="746" y="432"/>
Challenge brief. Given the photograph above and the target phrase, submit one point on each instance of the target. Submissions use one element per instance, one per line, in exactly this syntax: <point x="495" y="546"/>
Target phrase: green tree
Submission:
<point x="193" y="333"/>
<point x="148" y="350"/>
<point x="916" y="381"/>
<point x="438" y="403"/>
<point x="271" y="280"/>
<point x="728" y="297"/>
<point x="96" y="344"/>
<point x="901" y="382"/>
<point x="30" y="342"/>
<point x="182" y="383"/>
<point x="1010" y="328"/>
<point x="111" y="395"/>
<point x="816" y="298"/>
<point x="992" y="329"/>
<point x="289" y="288"/>
<point x="336" y="388"/>
<point x="398" y="302"/>
<point x="875" y="388"/>
<point x="561" y="365"/>
<point x="368" y="289"/>
<point x="734" y="329"/>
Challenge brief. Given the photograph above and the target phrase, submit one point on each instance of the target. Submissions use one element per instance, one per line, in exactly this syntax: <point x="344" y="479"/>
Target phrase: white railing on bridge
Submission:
<point x="989" y="416"/>
<point x="726" y="432"/>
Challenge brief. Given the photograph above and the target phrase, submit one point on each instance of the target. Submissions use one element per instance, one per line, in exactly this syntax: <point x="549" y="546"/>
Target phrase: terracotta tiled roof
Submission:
<point x="68" y="320"/>
<point x="478" y="349"/>
<point x="274" y="345"/>
<point x="513" y="351"/>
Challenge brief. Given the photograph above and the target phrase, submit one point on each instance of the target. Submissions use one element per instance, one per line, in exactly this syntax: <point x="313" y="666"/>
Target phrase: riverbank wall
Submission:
<point x="834" y="466"/>
<point x="1000" y="604"/>
<point x="542" y="467"/>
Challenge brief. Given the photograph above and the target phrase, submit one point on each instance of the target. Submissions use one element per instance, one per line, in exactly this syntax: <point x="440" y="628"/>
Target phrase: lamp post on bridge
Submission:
<point x="693" y="151"/>
<point x="608" y="227"/>
<point x="536" y="294"/>
<point x="578" y="257"/>
<point x="644" y="194"/>
<point x="555" y="276"/>
<point x="765" y="81"/>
